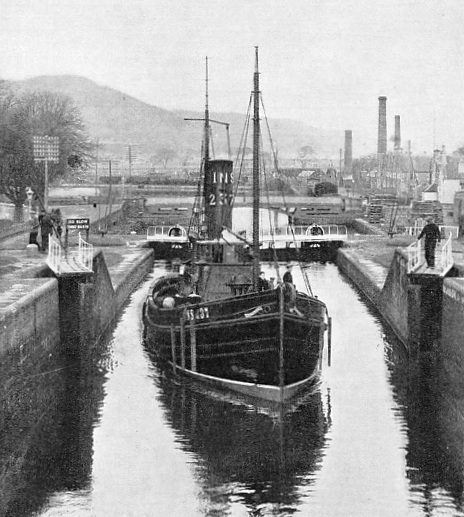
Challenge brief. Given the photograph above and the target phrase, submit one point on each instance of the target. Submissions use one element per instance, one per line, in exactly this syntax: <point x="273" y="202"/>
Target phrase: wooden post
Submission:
<point x="66" y="237"/>
<point x="173" y="348"/>
<point x="182" y="341"/>
<point x="193" y="346"/>
<point x="46" y="185"/>
<point x="329" y="343"/>
<point x="281" y="342"/>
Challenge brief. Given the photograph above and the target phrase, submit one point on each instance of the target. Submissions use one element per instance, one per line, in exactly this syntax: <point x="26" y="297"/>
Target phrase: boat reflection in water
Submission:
<point x="257" y="456"/>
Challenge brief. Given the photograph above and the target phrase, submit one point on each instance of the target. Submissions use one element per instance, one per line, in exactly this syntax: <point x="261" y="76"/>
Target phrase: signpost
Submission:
<point x="82" y="223"/>
<point x="46" y="149"/>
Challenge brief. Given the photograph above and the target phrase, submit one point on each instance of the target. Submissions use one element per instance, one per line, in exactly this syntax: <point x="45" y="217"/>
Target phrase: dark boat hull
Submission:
<point x="236" y="342"/>
<point x="170" y="250"/>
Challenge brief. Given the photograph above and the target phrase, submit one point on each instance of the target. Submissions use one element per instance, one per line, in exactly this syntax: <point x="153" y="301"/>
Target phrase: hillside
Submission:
<point x="117" y="119"/>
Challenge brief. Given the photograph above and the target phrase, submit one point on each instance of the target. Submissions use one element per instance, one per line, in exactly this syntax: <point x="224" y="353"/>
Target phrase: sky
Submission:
<point x="323" y="62"/>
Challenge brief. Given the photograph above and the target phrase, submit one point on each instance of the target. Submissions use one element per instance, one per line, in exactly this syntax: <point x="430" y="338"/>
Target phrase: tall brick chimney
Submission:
<point x="348" y="151"/>
<point x="397" y="144"/>
<point x="382" y="140"/>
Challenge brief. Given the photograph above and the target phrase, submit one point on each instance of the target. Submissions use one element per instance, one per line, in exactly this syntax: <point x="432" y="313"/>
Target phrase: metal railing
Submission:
<point x="445" y="258"/>
<point x="85" y="255"/>
<point x="59" y="258"/>
<point x="54" y="254"/>
<point x="307" y="233"/>
<point x="414" y="255"/>
<point x="164" y="233"/>
<point x="445" y="231"/>
<point x="447" y="254"/>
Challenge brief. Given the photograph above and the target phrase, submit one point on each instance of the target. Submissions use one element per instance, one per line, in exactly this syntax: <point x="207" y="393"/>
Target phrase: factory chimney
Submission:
<point x="348" y="152"/>
<point x="382" y="140"/>
<point x="397" y="143"/>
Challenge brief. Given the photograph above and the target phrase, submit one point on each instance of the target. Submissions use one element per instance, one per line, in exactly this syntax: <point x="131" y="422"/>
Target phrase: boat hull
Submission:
<point x="169" y="250"/>
<point x="243" y="343"/>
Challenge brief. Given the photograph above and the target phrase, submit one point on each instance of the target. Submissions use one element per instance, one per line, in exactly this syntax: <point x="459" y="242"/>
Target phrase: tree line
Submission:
<point x="29" y="114"/>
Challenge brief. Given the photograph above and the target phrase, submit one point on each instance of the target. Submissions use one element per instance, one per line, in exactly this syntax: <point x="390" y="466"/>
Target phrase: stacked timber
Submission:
<point x="424" y="209"/>
<point x="374" y="213"/>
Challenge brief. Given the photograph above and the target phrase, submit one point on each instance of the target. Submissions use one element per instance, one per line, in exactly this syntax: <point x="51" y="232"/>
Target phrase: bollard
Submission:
<point x="32" y="250"/>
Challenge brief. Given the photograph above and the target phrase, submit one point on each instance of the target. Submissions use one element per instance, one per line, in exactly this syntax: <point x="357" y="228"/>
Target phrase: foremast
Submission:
<point x="256" y="145"/>
<point x="206" y="165"/>
<point x="217" y="182"/>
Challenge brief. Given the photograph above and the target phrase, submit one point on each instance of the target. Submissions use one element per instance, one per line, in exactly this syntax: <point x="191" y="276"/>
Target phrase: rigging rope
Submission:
<point x="240" y="157"/>
<point x="297" y="249"/>
<point x="195" y="217"/>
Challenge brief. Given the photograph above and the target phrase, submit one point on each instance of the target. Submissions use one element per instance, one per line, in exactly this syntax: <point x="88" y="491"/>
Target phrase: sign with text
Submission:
<point x="46" y="148"/>
<point x="78" y="224"/>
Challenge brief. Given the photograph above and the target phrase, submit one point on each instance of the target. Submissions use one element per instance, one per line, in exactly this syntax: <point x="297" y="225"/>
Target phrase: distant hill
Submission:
<point x="117" y="119"/>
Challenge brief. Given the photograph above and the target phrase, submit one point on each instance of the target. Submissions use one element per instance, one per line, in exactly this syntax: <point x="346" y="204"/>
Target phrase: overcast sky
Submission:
<point x="324" y="62"/>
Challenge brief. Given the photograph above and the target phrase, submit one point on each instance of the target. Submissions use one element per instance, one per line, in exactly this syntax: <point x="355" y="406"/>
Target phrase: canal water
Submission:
<point x="117" y="437"/>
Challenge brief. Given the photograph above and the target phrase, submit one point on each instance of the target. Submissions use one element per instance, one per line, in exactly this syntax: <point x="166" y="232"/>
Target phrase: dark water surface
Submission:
<point x="115" y="437"/>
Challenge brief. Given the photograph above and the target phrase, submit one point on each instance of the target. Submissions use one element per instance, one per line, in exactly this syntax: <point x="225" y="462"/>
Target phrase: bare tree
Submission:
<point x="37" y="113"/>
<point x="304" y="153"/>
<point x="165" y="155"/>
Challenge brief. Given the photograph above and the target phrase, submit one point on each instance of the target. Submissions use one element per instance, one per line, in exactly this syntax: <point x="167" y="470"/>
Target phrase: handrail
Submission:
<point x="445" y="230"/>
<point x="447" y="254"/>
<point x="414" y="255"/>
<point x="303" y="233"/>
<point x="54" y="254"/>
<point x="166" y="232"/>
<point x="85" y="255"/>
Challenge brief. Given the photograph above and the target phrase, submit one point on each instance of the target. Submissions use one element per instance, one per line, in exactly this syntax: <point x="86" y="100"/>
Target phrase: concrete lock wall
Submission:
<point x="71" y="311"/>
<point x="31" y="323"/>
<point x="140" y="267"/>
<point x="361" y="277"/>
<point x="395" y="300"/>
<point x="452" y="338"/>
<point x="97" y="302"/>
<point x="400" y="302"/>
<point x="417" y="312"/>
<point x="101" y="297"/>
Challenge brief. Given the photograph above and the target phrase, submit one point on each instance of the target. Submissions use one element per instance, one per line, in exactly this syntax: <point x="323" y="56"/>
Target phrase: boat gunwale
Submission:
<point x="259" y="391"/>
<point x="259" y="318"/>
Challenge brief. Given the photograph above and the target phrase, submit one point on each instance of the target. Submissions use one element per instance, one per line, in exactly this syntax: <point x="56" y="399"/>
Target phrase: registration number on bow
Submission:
<point x="197" y="314"/>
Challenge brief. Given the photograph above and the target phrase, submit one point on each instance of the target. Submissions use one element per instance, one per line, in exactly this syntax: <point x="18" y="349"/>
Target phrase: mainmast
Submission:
<point x="256" y="145"/>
